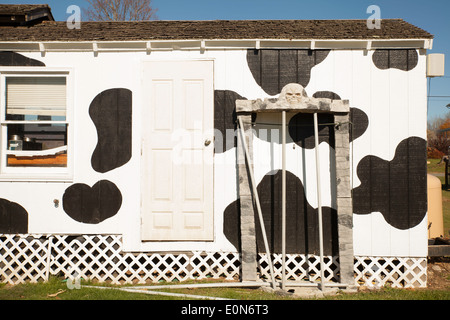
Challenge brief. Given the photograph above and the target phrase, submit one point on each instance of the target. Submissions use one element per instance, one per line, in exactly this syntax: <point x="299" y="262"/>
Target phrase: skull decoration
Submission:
<point x="292" y="94"/>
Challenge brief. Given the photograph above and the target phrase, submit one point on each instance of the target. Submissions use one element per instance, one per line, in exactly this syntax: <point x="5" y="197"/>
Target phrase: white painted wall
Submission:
<point x="394" y="100"/>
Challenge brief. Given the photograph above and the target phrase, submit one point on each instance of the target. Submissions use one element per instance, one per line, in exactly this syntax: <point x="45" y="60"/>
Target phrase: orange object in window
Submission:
<point x="59" y="160"/>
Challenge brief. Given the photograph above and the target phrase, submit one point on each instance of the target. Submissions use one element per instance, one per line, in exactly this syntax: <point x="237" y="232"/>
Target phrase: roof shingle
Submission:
<point x="214" y="29"/>
<point x="20" y="9"/>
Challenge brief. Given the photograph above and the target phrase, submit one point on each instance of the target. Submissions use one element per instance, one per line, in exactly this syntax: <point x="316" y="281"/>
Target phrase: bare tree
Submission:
<point x="438" y="140"/>
<point x="119" y="10"/>
<point x="435" y="123"/>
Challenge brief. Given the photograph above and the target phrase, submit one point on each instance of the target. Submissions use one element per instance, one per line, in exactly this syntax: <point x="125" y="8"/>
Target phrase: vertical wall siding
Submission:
<point x="390" y="213"/>
<point x="388" y="156"/>
<point x="390" y="169"/>
<point x="387" y="91"/>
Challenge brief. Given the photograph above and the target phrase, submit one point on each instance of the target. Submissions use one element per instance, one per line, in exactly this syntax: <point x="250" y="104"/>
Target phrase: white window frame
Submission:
<point x="45" y="174"/>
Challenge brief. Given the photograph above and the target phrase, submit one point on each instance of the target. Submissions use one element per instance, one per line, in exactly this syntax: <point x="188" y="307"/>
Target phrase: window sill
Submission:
<point x="36" y="178"/>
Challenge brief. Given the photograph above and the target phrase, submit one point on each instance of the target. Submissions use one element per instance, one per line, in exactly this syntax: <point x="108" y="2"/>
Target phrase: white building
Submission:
<point x="114" y="140"/>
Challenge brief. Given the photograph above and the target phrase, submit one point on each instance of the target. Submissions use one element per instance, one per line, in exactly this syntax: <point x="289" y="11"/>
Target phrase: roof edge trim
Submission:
<point x="215" y="44"/>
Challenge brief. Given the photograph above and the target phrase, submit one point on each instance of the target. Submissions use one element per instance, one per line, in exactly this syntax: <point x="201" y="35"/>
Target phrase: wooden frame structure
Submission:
<point x="292" y="99"/>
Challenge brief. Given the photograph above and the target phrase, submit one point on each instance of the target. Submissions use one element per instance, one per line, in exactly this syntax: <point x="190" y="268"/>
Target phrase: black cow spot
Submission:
<point x="397" y="188"/>
<point x="402" y="59"/>
<point x="302" y="228"/>
<point x="327" y="94"/>
<point x="12" y="59"/>
<point x="225" y="119"/>
<point x="359" y="123"/>
<point x="13" y="218"/>
<point x="92" y="205"/>
<point x="301" y="129"/>
<point x="358" y="118"/>
<point x="301" y="126"/>
<point x="111" y="112"/>
<point x="273" y="69"/>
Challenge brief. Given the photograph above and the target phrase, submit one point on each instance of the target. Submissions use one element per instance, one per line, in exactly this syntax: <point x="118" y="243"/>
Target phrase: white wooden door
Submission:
<point x="177" y="151"/>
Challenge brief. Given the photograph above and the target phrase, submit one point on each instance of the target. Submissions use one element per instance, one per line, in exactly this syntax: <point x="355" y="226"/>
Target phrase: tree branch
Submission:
<point x="119" y="10"/>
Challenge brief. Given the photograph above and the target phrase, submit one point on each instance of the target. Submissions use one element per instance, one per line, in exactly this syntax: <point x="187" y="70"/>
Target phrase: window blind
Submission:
<point x="36" y="96"/>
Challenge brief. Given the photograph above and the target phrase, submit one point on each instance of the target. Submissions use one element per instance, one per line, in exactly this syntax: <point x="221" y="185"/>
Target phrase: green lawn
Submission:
<point x="435" y="167"/>
<point x="56" y="289"/>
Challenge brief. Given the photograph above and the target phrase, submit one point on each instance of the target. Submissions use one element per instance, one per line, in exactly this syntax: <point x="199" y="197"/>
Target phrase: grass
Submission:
<point x="395" y="294"/>
<point x="50" y="290"/>
<point x="56" y="289"/>
<point x="434" y="166"/>
<point x="385" y="293"/>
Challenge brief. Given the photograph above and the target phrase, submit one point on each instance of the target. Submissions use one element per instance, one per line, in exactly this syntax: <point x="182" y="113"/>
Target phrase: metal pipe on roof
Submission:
<point x="319" y="200"/>
<point x="156" y="293"/>
<point x="283" y="200"/>
<point x="243" y="284"/>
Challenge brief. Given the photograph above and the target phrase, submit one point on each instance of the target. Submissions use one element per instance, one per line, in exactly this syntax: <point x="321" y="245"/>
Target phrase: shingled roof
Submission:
<point x="24" y="14"/>
<point x="20" y="8"/>
<point x="216" y="29"/>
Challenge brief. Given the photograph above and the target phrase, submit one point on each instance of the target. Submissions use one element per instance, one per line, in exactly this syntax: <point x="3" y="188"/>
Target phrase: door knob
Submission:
<point x="207" y="142"/>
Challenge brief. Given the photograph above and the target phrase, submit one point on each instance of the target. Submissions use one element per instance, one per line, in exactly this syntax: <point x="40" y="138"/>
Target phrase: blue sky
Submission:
<point x="432" y="15"/>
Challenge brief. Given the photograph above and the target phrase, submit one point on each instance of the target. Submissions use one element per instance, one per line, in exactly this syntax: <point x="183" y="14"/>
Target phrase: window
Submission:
<point x="35" y="124"/>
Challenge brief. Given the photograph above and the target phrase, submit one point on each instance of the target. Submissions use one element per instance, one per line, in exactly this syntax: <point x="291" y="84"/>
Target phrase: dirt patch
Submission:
<point x="438" y="277"/>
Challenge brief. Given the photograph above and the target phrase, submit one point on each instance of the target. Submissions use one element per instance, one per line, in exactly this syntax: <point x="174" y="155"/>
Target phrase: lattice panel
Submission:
<point x="23" y="258"/>
<point x="32" y="258"/>
<point x="216" y="265"/>
<point x="90" y="257"/>
<point x="100" y="258"/>
<point x="142" y="268"/>
<point x="396" y="272"/>
<point x="300" y="267"/>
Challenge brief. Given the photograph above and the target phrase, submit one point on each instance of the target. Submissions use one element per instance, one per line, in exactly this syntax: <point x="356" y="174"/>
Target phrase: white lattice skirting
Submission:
<point x="33" y="258"/>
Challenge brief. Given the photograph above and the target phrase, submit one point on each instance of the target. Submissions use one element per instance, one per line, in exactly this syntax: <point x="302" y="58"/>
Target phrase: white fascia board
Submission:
<point x="215" y="44"/>
<point x="36" y="70"/>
